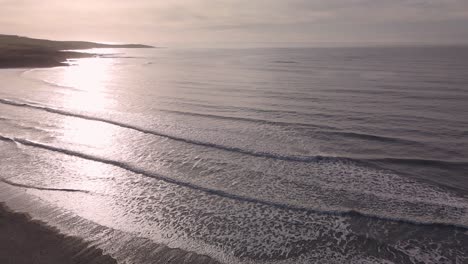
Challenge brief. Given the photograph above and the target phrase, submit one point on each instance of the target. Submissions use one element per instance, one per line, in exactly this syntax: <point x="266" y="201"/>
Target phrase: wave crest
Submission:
<point x="226" y="194"/>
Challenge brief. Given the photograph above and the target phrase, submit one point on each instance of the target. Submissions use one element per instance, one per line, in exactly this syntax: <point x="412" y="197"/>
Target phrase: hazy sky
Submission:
<point x="239" y="21"/>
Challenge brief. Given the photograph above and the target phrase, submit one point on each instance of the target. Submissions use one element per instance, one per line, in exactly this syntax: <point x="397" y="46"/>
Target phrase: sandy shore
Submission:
<point x="23" y="241"/>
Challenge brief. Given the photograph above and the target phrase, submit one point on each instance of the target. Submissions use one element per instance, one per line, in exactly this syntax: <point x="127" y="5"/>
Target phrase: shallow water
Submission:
<point x="252" y="155"/>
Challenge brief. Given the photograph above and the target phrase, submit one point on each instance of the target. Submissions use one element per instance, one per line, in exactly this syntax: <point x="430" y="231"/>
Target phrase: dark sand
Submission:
<point x="24" y="241"/>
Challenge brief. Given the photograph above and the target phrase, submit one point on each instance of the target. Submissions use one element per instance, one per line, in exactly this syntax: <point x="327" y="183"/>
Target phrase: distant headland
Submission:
<point x="24" y="52"/>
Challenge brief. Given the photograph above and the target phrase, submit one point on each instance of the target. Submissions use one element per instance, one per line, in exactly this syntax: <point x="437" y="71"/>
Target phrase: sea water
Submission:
<point x="291" y="155"/>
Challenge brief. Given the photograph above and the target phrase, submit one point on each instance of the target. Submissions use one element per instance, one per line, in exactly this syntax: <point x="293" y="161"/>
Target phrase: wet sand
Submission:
<point x="25" y="241"/>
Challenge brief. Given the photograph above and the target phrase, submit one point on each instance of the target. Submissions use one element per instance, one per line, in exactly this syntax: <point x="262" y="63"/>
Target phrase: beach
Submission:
<point x="22" y="239"/>
<point x="241" y="156"/>
<point x="25" y="241"/>
<point x="233" y="132"/>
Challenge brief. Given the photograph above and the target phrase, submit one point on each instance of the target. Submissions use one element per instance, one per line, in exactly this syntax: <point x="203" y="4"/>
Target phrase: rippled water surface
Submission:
<point x="338" y="155"/>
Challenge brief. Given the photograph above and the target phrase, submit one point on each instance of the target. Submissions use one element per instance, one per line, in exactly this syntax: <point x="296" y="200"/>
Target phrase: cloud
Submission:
<point x="239" y="20"/>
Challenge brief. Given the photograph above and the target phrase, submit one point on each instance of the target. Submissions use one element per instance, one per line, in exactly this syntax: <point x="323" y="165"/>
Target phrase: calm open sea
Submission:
<point x="304" y="155"/>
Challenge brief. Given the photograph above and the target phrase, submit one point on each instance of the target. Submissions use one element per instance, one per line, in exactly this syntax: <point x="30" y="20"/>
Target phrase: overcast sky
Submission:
<point x="182" y="22"/>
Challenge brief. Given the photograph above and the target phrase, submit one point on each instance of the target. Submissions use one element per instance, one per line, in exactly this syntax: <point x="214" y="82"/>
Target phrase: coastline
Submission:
<point x="23" y="52"/>
<point x="25" y="241"/>
<point x="37" y="58"/>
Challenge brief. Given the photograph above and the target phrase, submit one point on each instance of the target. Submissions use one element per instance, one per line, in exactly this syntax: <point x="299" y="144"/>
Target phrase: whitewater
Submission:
<point x="284" y="155"/>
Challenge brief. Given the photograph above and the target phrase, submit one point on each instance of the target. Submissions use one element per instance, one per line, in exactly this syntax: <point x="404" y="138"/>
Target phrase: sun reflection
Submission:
<point x="90" y="79"/>
<point x="89" y="95"/>
<point x="93" y="135"/>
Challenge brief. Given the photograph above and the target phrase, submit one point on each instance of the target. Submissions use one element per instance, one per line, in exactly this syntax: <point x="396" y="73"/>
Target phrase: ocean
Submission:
<point x="273" y="155"/>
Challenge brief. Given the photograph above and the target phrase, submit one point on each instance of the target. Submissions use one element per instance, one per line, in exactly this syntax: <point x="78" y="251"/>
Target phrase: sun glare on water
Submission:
<point x="89" y="80"/>
<point x="88" y="95"/>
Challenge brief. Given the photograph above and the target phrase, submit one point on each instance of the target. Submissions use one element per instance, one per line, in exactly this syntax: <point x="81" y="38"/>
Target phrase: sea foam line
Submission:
<point x="285" y="206"/>
<point x="49" y="83"/>
<point x="176" y="138"/>
<point x="27" y="186"/>
<point x="260" y="154"/>
<point x="245" y="119"/>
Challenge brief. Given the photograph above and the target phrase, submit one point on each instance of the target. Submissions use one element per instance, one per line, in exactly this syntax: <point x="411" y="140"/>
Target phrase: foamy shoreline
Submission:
<point x="35" y="232"/>
<point x="24" y="240"/>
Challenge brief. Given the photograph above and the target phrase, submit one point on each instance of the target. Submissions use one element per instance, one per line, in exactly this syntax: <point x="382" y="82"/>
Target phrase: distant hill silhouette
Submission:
<point x="18" y="41"/>
<point x="24" y="52"/>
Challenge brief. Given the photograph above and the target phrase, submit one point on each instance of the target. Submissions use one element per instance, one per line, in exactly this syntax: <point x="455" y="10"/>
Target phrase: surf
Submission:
<point x="286" y="206"/>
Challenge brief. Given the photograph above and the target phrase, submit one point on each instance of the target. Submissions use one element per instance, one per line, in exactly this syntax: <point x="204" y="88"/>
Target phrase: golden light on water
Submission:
<point x="89" y="80"/>
<point x="92" y="134"/>
<point x="87" y="95"/>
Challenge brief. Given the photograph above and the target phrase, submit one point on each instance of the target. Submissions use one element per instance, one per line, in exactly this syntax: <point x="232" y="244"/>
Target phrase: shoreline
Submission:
<point x="16" y="59"/>
<point x="24" y="241"/>
<point x="23" y="52"/>
<point x="33" y="232"/>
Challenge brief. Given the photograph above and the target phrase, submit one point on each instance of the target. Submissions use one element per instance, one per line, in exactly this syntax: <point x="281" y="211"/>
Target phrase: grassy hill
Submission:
<point x="18" y="41"/>
<point x="23" y="52"/>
